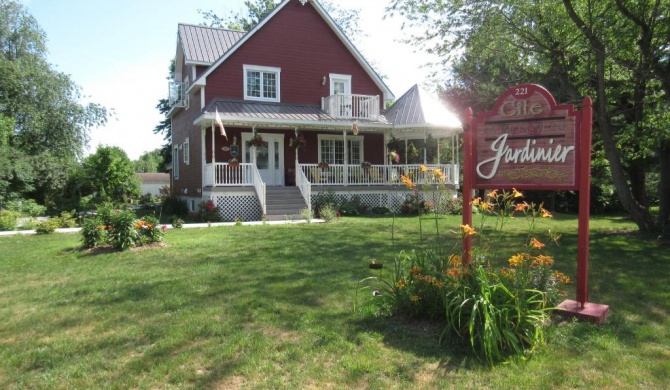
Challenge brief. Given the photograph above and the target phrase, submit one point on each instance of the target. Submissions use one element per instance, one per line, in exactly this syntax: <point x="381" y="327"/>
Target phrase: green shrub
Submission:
<point x="66" y="220"/>
<point x="307" y="214"/>
<point x="27" y="207"/>
<point x="149" y="230"/>
<point x="174" y="206"/>
<point x="121" y="230"/>
<point x="47" y="226"/>
<point x="328" y="212"/>
<point x="177" y="223"/>
<point x="94" y="232"/>
<point x="8" y="220"/>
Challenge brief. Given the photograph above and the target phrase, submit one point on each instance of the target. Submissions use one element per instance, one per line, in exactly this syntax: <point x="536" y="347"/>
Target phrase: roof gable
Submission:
<point x="388" y="95"/>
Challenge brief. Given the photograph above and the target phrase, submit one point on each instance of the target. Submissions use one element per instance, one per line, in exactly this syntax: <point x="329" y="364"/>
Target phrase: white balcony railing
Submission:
<point x="343" y="175"/>
<point x="351" y="106"/>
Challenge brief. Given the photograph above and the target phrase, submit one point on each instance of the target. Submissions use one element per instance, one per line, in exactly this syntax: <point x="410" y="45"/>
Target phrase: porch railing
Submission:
<point x="305" y="188"/>
<point x="339" y="174"/>
<point x="259" y="185"/>
<point x="243" y="175"/>
<point x="351" y="106"/>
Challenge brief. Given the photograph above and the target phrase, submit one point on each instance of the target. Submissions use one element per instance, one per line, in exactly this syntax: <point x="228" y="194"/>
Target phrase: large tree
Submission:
<point x="613" y="50"/>
<point x="49" y="124"/>
<point x="109" y="175"/>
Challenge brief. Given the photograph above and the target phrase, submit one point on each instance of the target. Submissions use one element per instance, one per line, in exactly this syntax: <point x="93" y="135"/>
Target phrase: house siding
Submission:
<point x="298" y="41"/>
<point x="182" y="127"/>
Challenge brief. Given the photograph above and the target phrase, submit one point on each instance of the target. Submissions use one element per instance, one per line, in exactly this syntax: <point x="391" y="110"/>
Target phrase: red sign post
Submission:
<point x="527" y="141"/>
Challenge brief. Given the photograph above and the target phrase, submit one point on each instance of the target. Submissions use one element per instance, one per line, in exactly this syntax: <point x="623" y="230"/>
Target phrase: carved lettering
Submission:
<point x="521" y="107"/>
<point x="526" y="154"/>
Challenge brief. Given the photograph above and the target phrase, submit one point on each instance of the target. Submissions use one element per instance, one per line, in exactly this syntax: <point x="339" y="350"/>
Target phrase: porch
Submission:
<point x="375" y="182"/>
<point x="246" y="175"/>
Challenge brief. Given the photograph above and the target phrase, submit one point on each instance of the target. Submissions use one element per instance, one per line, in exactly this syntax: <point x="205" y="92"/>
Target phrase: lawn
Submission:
<point x="263" y="307"/>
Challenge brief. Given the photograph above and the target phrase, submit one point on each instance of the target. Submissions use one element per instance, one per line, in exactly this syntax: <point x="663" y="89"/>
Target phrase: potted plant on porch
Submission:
<point x="233" y="163"/>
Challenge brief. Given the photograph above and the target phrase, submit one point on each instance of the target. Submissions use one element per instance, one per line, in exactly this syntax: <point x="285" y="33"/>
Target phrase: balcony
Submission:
<point x="348" y="106"/>
<point x="177" y="96"/>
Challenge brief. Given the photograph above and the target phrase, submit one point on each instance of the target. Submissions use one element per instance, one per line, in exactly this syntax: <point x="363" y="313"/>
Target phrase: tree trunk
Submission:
<point x="664" y="189"/>
<point x="639" y="214"/>
<point x="638" y="179"/>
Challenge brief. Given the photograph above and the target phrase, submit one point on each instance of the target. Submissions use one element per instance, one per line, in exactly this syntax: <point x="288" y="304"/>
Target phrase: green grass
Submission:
<point x="263" y="307"/>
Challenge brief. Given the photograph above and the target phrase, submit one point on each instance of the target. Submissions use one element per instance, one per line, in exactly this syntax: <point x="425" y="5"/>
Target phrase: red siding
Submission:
<point x="298" y="41"/>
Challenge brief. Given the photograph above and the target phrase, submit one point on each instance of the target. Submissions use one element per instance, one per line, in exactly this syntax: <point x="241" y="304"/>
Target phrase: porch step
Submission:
<point x="283" y="203"/>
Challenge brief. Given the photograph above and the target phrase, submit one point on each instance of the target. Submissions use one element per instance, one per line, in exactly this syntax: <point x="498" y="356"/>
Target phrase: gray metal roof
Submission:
<point x="245" y="113"/>
<point x="416" y="108"/>
<point x="204" y="45"/>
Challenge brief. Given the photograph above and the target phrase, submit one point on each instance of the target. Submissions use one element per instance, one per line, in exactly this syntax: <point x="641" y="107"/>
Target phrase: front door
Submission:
<point x="269" y="158"/>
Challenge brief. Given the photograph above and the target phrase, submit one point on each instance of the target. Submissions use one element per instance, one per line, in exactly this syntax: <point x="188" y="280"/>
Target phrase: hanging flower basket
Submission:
<point x="257" y="141"/>
<point x="233" y="163"/>
<point x="298" y="142"/>
<point x="394" y="156"/>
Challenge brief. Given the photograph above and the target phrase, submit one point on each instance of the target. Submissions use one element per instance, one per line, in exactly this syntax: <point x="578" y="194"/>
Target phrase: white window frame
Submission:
<point x="352" y="138"/>
<point x="187" y="151"/>
<point x="340" y="77"/>
<point x="262" y="70"/>
<point x="175" y="162"/>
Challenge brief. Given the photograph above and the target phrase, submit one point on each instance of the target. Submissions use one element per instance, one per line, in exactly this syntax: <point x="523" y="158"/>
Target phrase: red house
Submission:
<point x="265" y="120"/>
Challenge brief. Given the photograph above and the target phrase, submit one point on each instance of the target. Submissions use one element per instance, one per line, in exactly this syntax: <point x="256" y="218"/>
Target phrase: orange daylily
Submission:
<point x="536" y="244"/>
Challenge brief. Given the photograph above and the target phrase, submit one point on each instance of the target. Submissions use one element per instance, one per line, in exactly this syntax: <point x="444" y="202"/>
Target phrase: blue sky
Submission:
<point x="119" y="51"/>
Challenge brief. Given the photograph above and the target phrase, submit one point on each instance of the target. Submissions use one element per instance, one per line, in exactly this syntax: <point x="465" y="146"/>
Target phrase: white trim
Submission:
<point x="340" y="77"/>
<point x="262" y="70"/>
<point x="335" y="137"/>
<point x="175" y="162"/>
<point x="186" y="154"/>
<point x="202" y="98"/>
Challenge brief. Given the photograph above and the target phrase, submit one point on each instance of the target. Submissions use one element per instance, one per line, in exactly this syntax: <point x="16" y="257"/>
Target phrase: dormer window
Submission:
<point x="261" y="83"/>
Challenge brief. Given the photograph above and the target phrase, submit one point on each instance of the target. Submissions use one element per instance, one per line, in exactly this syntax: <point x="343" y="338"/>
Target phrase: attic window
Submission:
<point x="261" y="83"/>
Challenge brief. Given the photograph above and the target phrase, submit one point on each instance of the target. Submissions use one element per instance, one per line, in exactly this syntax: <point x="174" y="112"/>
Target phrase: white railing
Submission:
<point x="259" y="186"/>
<point x="228" y="176"/>
<point x="351" y="106"/>
<point x="303" y="184"/>
<point x="339" y="174"/>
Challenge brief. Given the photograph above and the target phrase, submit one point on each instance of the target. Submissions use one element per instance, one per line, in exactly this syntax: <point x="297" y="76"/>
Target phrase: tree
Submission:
<point x="48" y="124"/>
<point x="613" y="50"/>
<point x="149" y="162"/>
<point x="109" y="175"/>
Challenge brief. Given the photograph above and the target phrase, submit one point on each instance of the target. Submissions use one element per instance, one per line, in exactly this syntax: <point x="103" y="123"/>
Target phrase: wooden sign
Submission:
<point x="527" y="141"/>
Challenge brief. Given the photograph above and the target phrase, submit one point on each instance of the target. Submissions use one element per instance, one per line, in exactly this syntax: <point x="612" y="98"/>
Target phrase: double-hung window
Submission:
<point x="261" y="83"/>
<point x="331" y="149"/>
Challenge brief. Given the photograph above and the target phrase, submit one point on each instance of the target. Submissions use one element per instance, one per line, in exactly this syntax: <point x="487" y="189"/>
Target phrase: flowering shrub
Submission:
<point x="499" y="311"/>
<point x="120" y="229"/>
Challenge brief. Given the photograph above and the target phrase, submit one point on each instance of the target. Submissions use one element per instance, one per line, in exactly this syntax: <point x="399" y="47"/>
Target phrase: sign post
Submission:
<point x="528" y="141"/>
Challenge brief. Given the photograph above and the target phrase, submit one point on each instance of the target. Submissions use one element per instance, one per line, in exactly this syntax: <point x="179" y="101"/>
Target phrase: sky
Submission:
<point x="119" y="53"/>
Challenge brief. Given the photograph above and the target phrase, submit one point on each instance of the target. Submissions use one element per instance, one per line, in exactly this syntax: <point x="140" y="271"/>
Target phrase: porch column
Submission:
<point x="425" y="152"/>
<point x="297" y="163"/>
<point x="346" y="159"/>
<point x="405" y="151"/>
<point x="213" y="159"/>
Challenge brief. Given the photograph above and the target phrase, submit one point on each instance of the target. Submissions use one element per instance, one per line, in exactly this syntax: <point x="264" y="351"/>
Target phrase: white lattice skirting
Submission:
<point x="244" y="207"/>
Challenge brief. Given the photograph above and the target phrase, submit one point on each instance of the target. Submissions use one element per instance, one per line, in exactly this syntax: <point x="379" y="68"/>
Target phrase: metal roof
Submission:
<point x="237" y="112"/>
<point x="204" y="45"/>
<point x="417" y="109"/>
